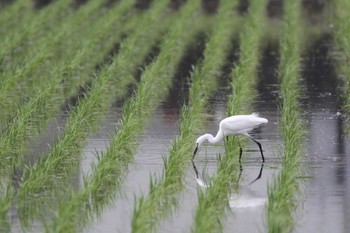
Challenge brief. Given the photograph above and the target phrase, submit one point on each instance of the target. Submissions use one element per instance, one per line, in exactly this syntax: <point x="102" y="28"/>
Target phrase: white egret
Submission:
<point x="234" y="125"/>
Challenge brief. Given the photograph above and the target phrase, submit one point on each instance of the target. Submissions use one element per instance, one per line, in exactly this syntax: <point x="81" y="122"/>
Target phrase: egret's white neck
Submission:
<point x="210" y="138"/>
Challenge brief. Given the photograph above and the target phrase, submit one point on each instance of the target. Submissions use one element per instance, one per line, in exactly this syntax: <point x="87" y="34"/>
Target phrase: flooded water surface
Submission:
<point x="327" y="192"/>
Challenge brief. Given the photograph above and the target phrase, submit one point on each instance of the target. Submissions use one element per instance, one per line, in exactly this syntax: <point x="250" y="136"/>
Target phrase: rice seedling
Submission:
<point x="14" y="87"/>
<point x="104" y="90"/>
<point x="27" y="25"/>
<point x="11" y="140"/>
<point x="283" y="190"/>
<point x="9" y="12"/>
<point x="212" y="204"/>
<point x="164" y="193"/>
<point x="341" y="33"/>
<point x="107" y="175"/>
<point x="47" y="102"/>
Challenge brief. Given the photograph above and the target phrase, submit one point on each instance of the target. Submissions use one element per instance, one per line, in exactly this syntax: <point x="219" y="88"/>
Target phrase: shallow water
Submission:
<point x="326" y="207"/>
<point x="155" y="143"/>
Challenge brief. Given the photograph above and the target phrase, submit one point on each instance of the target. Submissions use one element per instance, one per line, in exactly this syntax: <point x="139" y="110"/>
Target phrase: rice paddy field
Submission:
<point x="102" y="101"/>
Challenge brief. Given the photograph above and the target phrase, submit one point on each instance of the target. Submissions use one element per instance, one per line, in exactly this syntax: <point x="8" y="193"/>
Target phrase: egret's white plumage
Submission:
<point x="234" y="125"/>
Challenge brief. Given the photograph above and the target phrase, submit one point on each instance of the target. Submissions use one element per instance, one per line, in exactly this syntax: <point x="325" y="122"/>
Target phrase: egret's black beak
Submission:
<point x="195" y="169"/>
<point x="195" y="151"/>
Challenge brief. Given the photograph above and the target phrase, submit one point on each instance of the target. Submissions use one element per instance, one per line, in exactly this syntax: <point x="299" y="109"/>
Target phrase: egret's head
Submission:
<point x="199" y="142"/>
<point x="202" y="139"/>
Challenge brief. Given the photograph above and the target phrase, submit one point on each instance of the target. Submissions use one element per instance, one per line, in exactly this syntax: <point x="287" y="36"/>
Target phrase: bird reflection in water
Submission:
<point x="203" y="184"/>
<point x="245" y="197"/>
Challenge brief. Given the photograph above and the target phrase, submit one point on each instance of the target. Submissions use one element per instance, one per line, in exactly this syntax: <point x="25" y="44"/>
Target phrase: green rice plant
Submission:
<point x="244" y="74"/>
<point x="164" y="193"/>
<point x="109" y="86"/>
<point x="107" y="175"/>
<point x="8" y="13"/>
<point x="212" y="204"/>
<point x="31" y="114"/>
<point x="11" y="140"/>
<point x="341" y="33"/>
<point x="283" y="191"/>
<point x="36" y="113"/>
<point x="14" y="86"/>
<point x="26" y="24"/>
<point x="48" y="101"/>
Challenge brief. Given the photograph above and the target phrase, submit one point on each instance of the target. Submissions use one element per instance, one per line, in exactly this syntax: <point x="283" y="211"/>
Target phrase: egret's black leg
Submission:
<point x="262" y="155"/>
<point x="260" y="173"/>
<point x="240" y="164"/>
<point x="239" y="160"/>
<point x="240" y="152"/>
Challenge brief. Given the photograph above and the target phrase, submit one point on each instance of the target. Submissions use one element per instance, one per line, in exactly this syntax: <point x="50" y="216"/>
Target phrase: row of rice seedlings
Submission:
<point x="100" y="186"/>
<point x="15" y="88"/>
<point x="213" y="202"/>
<point x="10" y="12"/>
<point x="342" y="33"/>
<point x="283" y="190"/>
<point x="47" y="101"/>
<point x="54" y="171"/>
<point x="14" y="85"/>
<point x="26" y="24"/>
<point x="92" y="11"/>
<point x="164" y="194"/>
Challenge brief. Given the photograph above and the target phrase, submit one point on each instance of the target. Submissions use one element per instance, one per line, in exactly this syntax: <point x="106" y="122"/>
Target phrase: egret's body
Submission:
<point x="234" y="125"/>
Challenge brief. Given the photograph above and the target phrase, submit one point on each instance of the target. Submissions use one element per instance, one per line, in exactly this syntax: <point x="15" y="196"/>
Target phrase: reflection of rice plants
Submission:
<point x="283" y="191"/>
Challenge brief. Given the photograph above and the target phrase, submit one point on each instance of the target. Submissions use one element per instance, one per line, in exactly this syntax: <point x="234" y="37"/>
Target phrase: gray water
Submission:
<point x="326" y="207"/>
<point x="155" y="143"/>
